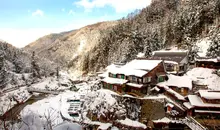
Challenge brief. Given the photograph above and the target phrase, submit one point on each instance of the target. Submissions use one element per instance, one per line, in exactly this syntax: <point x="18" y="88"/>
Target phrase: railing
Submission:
<point x="193" y="124"/>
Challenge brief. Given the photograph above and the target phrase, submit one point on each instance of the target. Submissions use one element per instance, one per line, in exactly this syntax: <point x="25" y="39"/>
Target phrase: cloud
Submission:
<point x="71" y="12"/>
<point x="38" y="12"/>
<point x="121" y="6"/>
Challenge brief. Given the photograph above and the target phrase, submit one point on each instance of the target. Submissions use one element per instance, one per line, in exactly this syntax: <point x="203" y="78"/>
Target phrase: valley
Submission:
<point x="156" y="68"/>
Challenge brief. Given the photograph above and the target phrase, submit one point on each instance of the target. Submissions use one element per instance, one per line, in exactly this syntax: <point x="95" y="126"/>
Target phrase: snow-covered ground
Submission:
<point x="54" y="106"/>
<point x="212" y="80"/>
<point x="101" y="102"/>
<point x="52" y="83"/>
<point x="10" y="96"/>
<point x="8" y="100"/>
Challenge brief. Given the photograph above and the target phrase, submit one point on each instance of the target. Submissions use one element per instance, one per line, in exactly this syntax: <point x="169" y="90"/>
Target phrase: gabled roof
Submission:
<point x="206" y="59"/>
<point x="141" y="64"/>
<point x="114" y="80"/>
<point x="137" y="67"/>
<point x="170" y="55"/>
<point x="197" y="101"/>
<point x="178" y="81"/>
<point x="135" y="85"/>
<point x="207" y="94"/>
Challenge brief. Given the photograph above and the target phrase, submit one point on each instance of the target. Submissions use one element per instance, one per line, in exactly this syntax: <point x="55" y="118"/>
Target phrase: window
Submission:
<point x="123" y="89"/>
<point x="122" y="77"/>
<point x="110" y="86"/>
<point x="160" y="79"/>
<point x="181" y="68"/>
<point x="105" y="85"/>
<point x="115" y="88"/>
<point x="114" y="76"/>
<point x="182" y="90"/>
<point x="147" y="79"/>
<point x="140" y="80"/>
<point x="170" y="67"/>
<point x="134" y="78"/>
<point x="110" y="75"/>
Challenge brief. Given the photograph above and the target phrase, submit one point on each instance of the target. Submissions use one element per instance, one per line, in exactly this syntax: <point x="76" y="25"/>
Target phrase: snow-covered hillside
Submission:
<point x="212" y="79"/>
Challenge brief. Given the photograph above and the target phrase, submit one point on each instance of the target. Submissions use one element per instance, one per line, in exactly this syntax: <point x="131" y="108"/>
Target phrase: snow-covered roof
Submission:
<point x="140" y="55"/>
<point x="137" y="67"/>
<point x="187" y="105"/>
<point x="104" y="126"/>
<point x="170" y="62"/>
<point x="142" y="64"/>
<point x="170" y="55"/>
<point x="135" y="85"/>
<point x="155" y="88"/>
<point x="172" y="50"/>
<point x="129" y="122"/>
<point x="175" y="103"/>
<point x="163" y="120"/>
<point x="114" y="80"/>
<point x="207" y="59"/>
<point x="177" y="95"/>
<point x="212" y="80"/>
<point x="179" y="81"/>
<point x="169" y="104"/>
<point x="113" y="68"/>
<point x="135" y="72"/>
<point x="207" y="94"/>
<point x="200" y="81"/>
<point x="169" y="90"/>
<point x="207" y="111"/>
<point x="197" y="101"/>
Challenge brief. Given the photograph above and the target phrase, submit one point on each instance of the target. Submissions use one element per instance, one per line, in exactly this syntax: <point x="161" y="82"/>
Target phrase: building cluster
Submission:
<point x="164" y="73"/>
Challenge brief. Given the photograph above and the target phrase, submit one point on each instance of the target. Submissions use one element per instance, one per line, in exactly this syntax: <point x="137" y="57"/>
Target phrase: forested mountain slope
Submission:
<point x="18" y="67"/>
<point x="164" y="23"/>
<point x="69" y="49"/>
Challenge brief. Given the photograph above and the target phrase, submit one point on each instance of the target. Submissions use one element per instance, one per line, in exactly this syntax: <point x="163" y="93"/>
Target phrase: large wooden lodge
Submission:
<point x="136" y="77"/>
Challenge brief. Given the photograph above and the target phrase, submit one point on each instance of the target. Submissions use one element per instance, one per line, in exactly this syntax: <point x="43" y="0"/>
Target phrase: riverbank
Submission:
<point x="14" y="112"/>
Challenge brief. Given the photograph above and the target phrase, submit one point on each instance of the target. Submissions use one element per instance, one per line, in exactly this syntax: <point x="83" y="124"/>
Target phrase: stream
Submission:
<point x="13" y="113"/>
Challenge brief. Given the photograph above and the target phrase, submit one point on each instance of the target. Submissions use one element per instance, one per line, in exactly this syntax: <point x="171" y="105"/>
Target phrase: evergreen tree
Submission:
<point x="17" y="63"/>
<point x="35" y="68"/>
<point x="3" y="71"/>
<point x="214" y="48"/>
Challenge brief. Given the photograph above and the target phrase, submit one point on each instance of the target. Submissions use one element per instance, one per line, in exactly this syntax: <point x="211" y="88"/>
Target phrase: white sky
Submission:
<point x="21" y="28"/>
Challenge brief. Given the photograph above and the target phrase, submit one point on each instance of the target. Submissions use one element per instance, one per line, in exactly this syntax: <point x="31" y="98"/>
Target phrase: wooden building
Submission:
<point x="176" y="88"/>
<point x="136" y="77"/>
<point x="180" y="84"/>
<point x="176" y="61"/>
<point x="213" y="63"/>
<point x="205" y="103"/>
